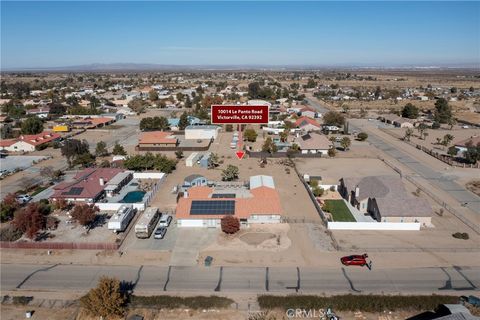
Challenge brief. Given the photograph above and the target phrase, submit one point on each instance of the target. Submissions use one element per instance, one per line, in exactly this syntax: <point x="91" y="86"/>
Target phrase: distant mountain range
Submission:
<point x="98" y="67"/>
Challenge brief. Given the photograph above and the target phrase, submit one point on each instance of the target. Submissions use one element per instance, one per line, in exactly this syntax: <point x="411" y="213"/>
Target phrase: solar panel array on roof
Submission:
<point x="75" y="191"/>
<point x="213" y="207"/>
<point x="224" y="195"/>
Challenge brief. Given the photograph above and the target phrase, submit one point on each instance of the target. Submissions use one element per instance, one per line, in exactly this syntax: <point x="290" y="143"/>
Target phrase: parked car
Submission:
<point x="355" y="260"/>
<point x="165" y="220"/>
<point x="23" y="198"/>
<point x="160" y="233"/>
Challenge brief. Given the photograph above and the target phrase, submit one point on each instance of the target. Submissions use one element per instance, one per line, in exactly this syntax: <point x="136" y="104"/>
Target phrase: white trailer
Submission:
<point x="192" y="159"/>
<point x="120" y="220"/>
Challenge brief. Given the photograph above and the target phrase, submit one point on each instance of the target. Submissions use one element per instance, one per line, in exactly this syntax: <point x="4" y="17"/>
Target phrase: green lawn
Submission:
<point x="339" y="211"/>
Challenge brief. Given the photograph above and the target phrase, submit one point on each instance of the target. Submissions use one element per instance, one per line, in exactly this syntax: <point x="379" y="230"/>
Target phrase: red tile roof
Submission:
<point x="302" y="121"/>
<point x="152" y="137"/>
<point x="264" y="200"/>
<point x="38" y="139"/>
<point x="87" y="183"/>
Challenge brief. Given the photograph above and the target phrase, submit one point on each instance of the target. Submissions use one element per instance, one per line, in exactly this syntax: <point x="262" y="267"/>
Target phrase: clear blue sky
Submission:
<point x="49" y="34"/>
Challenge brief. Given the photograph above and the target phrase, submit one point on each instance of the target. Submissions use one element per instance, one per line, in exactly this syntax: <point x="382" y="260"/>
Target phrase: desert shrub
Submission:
<point x="365" y="303"/>
<point x="173" y="302"/>
<point x="230" y="224"/>
<point x="10" y="233"/>
<point x="318" y="192"/>
<point x="52" y="223"/>
<point x="362" y="136"/>
<point x="21" y="300"/>
<point x="461" y="235"/>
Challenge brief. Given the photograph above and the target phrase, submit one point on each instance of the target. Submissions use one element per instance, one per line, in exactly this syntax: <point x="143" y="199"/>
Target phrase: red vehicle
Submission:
<point x="355" y="260"/>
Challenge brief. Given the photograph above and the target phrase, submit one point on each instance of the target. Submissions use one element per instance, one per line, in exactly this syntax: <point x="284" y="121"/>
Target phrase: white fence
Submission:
<point x="116" y="205"/>
<point x="391" y="226"/>
<point x="149" y="175"/>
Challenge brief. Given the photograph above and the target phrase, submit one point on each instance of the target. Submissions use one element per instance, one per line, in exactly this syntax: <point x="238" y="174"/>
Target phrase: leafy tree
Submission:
<point x="318" y="192"/>
<point x="230" y="173"/>
<point x="6" y="131"/>
<point x="410" y="111"/>
<point x="362" y="136"/>
<point x="254" y="90"/>
<point x="230" y="224"/>
<point x="213" y="161"/>
<point x="8" y="207"/>
<point x="472" y="154"/>
<point x="179" y="154"/>
<point x="106" y="300"/>
<point x="149" y="161"/>
<point x="154" y="123"/>
<point x="269" y="146"/>
<point x="118" y="150"/>
<point x="84" y="214"/>
<point x="443" y="111"/>
<point x="333" y="118"/>
<point x="101" y="149"/>
<point x="30" y="220"/>
<point x="250" y="135"/>
<point x="85" y="160"/>
<point x="33" y="125"/>
<point x="14" y="109"/>
<point x="188" y="103"/>
<point x="345" y="143"/>
<point x="183" y="123"/>
<point x="452" y="151"/>
<point x="94" y="104"/>
<point x="72" y="148"/>
<point x="153" y="95"/>
<point x="332" y="152"/>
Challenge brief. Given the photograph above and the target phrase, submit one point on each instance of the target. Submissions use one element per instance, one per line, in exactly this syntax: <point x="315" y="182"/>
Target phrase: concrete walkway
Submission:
<point x="360" y="217"/>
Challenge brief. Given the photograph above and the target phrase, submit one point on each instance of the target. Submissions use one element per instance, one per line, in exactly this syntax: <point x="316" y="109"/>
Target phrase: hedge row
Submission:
<point x="173" y="302"/>
<point x="366" y="303"/>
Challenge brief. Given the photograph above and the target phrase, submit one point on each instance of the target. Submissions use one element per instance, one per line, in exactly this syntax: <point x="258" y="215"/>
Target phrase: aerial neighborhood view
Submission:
<point x="240" y="160"/>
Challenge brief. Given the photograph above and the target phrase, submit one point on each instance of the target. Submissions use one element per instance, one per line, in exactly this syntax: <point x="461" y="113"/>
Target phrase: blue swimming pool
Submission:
<point x="133" y="197"/>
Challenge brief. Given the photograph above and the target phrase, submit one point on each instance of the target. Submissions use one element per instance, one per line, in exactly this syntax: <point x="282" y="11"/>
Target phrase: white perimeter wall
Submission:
<point x="149" y="175"/>
<point x="399" y="226"/>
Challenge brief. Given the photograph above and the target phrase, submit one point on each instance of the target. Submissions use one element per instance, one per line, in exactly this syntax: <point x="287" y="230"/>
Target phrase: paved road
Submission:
<point x="153" y="279"/>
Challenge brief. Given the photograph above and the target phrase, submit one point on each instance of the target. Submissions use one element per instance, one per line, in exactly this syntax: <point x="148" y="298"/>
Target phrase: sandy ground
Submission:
<point x="431" y="140"/>
<point x="10" y="312"/>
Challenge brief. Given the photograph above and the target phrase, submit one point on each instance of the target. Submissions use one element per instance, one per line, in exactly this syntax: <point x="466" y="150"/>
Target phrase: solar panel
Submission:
<point x="213" y="207"/>
<point x="223" y="195"/>
<point x="75" y="191"/>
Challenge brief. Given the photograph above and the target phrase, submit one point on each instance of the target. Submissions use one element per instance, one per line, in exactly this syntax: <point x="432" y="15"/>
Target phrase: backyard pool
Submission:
<point x="133" y="197"/>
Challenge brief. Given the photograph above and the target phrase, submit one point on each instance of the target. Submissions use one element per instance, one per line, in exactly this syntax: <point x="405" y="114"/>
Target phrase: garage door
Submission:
<point x="190" y="223"/>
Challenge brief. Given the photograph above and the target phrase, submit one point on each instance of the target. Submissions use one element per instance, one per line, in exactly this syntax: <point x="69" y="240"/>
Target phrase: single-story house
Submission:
<point x="313" y="142"/>
<point x="463" y="144"/>
<point x="41" y="112"/>
<point x="193" y="180"/>
<point x="155" y="139"/>
<point x="92" y="184"/>
<point x="204" y="206"/>
<point x="308" y="112"/>
<point x="398" y="121"/>
<point x="92" y="122"/>
<point x="195" y="132"/>
<point x="307" y="124"/>
<point x="28" y="143"/>
<point x="385" y="199"/>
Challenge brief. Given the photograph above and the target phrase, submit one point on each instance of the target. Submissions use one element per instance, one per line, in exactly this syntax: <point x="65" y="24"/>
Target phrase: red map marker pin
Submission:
<point x="240" y="154"/>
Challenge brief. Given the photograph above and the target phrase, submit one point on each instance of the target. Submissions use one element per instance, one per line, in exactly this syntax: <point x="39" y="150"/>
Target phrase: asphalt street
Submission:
<point x="153" y="279"/>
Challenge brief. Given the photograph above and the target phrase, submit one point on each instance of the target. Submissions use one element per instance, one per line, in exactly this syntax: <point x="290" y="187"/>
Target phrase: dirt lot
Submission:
<point x="431" y="140"/>
<point x="10" y="312"/>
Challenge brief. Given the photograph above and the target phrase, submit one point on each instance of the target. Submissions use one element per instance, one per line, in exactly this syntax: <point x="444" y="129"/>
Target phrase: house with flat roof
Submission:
<point x="28" y="143"/>
<point x="92" y="184"/>
<point x="150" y="140"/>
<point x="385" y="199"/>
<point x="257" y="202"/>
<point x="201" y="132"/>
